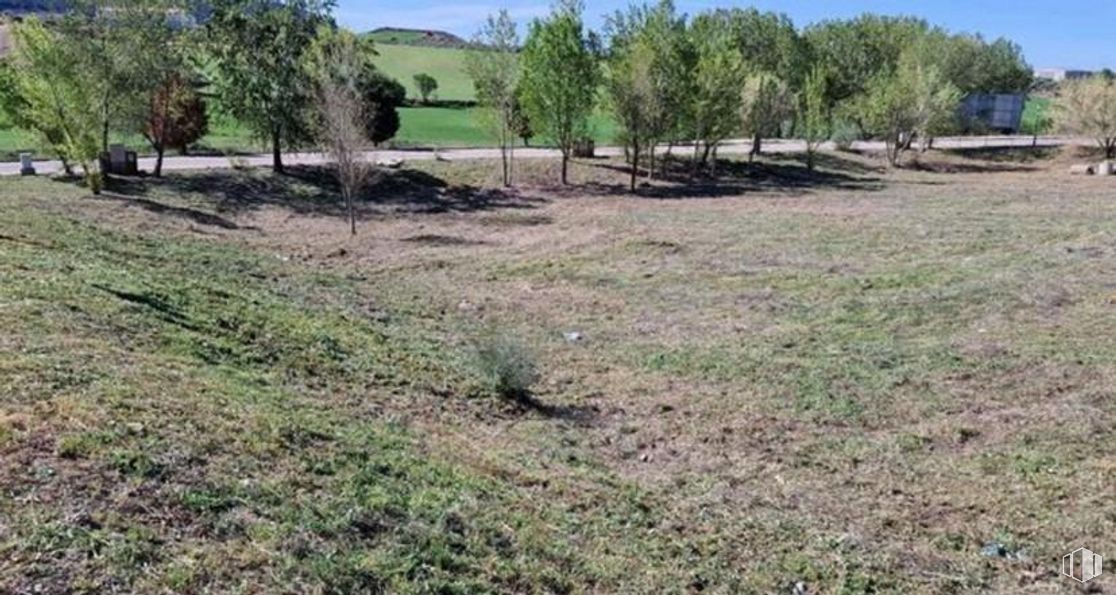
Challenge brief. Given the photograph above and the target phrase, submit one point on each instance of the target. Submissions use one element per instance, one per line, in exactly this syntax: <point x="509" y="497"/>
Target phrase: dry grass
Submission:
<point x="854" y="379"/>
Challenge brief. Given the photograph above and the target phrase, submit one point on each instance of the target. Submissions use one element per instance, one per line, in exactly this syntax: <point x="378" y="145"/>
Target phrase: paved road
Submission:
<point x="734" y="147"/>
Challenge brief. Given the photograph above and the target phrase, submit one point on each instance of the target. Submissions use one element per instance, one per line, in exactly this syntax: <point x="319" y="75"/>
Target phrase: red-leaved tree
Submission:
<point x="177" y="119"/>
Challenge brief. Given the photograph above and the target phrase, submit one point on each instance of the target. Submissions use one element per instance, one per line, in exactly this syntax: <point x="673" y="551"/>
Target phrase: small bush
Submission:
<point x="845" y="133"/>
<point x="506" y="367"/>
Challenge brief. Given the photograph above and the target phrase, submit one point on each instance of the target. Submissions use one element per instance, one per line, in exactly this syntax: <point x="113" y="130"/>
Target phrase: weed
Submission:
<point x="506" y="366"/>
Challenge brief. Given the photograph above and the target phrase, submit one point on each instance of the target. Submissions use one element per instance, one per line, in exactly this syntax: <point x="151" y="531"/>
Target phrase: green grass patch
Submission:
<point x="447" y="65"/>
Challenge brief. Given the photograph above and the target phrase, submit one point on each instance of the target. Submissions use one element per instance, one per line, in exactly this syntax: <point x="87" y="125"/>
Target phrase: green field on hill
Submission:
<point x="447" y="65"/>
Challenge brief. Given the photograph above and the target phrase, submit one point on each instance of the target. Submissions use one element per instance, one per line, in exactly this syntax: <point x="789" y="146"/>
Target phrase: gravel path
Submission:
<point x="733" y="147"/>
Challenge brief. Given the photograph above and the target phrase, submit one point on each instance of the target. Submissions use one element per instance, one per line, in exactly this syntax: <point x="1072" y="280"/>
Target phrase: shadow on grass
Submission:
<point x="924" y="164"/>
<point x="676" y="178"/>
<point x="158" y="208"/>
<point x="579" y="414"/>
<point x="1007" y="154"/>
<point x="311" y="190"/>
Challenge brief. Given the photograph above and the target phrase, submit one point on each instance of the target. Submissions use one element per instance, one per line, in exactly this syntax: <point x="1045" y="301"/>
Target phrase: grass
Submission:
<point x="447" y="65"/>
<point x="460" y="127"/>
<point x="1035" y="111"/>
<point x="419" y="126"/>
<point x="207" y="385"/>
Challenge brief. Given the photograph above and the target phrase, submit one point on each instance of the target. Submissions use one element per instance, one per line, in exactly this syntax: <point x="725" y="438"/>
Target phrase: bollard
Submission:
<point x="26" y="166"/>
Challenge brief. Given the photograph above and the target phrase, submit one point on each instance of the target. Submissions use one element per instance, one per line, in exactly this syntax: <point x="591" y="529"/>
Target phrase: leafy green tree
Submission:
<point x="56" y="96"/>
<point x="660" y="35"/>
<point x="382" y="96"/>
<point x="718" y="71"/>
<point x="426" y="86"/>
<point x="768" y="42"/>
<point x="520" y="122"/>
<point x="494" y="67"/>
<point x="560" y="78"/>
<point x="633" y="95"/>
<point x="1088" y="108"/>
<point x="912" y="101"/>
<point x="765" y="103"/>
<point x="860" y="51"/>
<point x="817" y="113"/>
<point x="260" y="49"/>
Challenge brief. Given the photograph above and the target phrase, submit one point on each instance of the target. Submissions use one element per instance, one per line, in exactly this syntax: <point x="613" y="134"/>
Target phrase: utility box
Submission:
<point x="26" y="166"/>
<point x="1002" y="113"/>
<point x="584" y="148"/>
<point x="120" y="161"/>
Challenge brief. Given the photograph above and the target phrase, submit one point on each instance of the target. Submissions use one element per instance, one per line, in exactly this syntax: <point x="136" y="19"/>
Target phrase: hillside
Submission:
<point x="447" y="65"/>
<point x="419" y="37"/>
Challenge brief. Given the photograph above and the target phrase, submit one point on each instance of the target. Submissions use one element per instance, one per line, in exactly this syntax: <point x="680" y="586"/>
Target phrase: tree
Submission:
<point x="494" y="67"/>
<point x="56" y="97"/>
<point x="426" y="86"/>
<point x="859" y="51"/>
<point x="657" y="35"/>
<point x="765" y="102"/>
<point x="817" y="114"/>
<point x="560" y="78"/>
<point x="260" y="49"/>
<point x="912" y="101"/>
<point x="1088" y="108"/>
<point x="768" y="42"/>
<point x="176" y="118"/>
<point x="520" y="122"/>
<point x="382" y="96"/>
<point x="631" y="88"/>
<point x="342" y="112"/>
<point x="718" y="71"/>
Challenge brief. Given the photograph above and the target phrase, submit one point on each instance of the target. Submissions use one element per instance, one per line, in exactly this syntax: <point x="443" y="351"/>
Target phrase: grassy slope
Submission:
<point x="184" y="415"/>
<point x="457" y="127"/>
<point x="189" y="412"/>
<point x="446" y="65"/>
<point x="396" y="37"/>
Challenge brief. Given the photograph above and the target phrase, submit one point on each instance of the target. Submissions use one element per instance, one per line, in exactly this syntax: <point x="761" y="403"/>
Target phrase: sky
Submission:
<point x="1053" y="33"/>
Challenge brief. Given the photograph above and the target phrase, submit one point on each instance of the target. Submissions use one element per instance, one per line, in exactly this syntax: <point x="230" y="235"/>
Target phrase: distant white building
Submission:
<point x="1062" y="74"/>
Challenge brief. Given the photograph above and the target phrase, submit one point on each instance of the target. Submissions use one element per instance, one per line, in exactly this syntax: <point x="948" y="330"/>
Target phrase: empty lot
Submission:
<point x="858" y="380"/>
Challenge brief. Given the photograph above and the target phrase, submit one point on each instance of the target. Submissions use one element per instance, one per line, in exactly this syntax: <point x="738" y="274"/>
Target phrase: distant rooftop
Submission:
<point x="1062" y="74"/>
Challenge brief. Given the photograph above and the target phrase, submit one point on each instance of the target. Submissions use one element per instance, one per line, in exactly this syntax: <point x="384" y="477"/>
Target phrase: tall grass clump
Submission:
<point x="506" y="367"/>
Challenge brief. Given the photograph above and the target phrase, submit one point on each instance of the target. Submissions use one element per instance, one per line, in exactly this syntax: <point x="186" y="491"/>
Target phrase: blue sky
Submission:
<point x="1053" y="33"/>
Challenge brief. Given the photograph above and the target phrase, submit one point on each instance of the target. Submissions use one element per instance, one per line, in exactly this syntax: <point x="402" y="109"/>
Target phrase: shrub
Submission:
<point x="845" y="133"/>
<point x="178" y="115"/>
<point x="506" y="367"/>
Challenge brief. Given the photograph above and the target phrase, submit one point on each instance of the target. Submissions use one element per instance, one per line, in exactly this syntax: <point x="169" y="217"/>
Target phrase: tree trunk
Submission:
<point x="511" y="160"/>
<point x="635" y="166"/>
<point x="105" y="132"/>
<point x="159" y="161"/>
<point x="565" y="166"/>
<point x="276" y="151"/>
<point x="504" y="161"/>
<point x="352" y="213"/>
<point x="757" y="146"/>
<point x="651" y="163"/>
